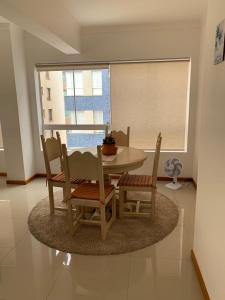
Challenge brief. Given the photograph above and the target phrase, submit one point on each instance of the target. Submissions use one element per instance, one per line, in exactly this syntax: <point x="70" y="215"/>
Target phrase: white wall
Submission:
<point x="20" y="73"/>
<point x="15" y="117"/>
<point x="2" y="162"/>
<point x="126" y="42"/>
<point x="203" y="40"/>
<point x="48" y="20"/>
<point x="209" y="241"/>
<point x="9" y="110"/>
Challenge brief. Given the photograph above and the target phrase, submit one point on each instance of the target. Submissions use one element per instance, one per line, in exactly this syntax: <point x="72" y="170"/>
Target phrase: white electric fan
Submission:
<point x="173" y="169"/>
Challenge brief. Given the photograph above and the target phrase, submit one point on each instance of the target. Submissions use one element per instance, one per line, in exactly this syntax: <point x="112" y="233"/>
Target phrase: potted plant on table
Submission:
<point x="109" y="145"/>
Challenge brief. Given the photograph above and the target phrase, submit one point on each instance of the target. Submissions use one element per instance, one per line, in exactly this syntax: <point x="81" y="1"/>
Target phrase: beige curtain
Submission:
<point x="151" y="97"/>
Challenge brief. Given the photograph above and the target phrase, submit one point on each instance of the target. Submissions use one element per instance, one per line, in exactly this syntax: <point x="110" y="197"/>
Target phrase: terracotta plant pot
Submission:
<point x="109" y="149"/>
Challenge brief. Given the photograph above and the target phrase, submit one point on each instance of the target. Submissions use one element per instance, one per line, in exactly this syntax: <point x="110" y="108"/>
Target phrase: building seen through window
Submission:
<point x="47" y="75"/>
<point x="48" y="93"/>
<point x="79" y="97"/>
<point x="50" y="117"/>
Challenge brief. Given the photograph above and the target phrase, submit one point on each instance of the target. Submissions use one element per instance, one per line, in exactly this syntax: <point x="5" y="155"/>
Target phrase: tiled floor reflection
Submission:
<point x="30" y="270"/>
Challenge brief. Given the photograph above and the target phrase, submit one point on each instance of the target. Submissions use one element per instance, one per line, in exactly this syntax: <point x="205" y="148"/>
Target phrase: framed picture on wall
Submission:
<point x="219" y="43"/>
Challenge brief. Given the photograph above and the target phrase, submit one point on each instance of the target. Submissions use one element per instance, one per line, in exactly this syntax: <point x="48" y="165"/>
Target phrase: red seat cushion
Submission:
<point x="91" y="191"/>
<point x="135" y="180"/>
<point x="61" y="178"/>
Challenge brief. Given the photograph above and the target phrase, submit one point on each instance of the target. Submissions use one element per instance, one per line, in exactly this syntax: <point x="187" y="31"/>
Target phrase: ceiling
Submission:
<point x="124" y="12"/>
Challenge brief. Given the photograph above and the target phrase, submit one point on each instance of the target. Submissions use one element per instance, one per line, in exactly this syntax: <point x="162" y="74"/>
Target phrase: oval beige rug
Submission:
<point x="124" y="236"/>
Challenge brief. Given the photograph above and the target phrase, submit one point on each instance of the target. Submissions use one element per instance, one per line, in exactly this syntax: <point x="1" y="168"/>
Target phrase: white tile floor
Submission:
<point x="30" y="270"/>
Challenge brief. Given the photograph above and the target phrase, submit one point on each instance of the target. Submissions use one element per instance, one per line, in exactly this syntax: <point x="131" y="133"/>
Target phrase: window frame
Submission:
<point x="106" y="65"/>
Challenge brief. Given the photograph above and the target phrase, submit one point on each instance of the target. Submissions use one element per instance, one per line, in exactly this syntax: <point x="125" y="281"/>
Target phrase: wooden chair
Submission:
<point x="89" y="194"/>
<point x="52" y="150"/>
<point x="122" y="139"/>
<point x="140" y="183"/>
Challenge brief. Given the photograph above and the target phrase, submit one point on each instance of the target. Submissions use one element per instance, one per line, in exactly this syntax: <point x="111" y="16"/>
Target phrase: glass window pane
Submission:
<point x="79" y="92"/>
<point x="98" y="117"/>
<point x="54" y="110"/>
<point x="83" y="108"/>
<point x="97" y="82"/>
<point x="69" y="79"/>
<point x="97" y="92"/>
<point x="85" y="138"/>
<point x="68" y="83"/>
<point x="78" y="83"/>
<point x="85" y="117"/>
<point x="70" y="117"/>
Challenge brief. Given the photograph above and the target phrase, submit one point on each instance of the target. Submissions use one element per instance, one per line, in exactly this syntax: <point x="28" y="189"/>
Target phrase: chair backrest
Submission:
<point x="52" y="150"/>
<point x="156" y="159"/>
<point x="60" y="148"/>
<point x="122" y="139"/>
<point x="84" y="166"/>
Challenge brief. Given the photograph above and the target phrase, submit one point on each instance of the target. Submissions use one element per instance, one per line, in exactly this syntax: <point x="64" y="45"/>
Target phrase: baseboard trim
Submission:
<point x="195" y="183"/>
<point x="40" y="175"/>
<point x="200" y="277"/>
<point x="21" y="182"/>
<point x="3" y="174"/>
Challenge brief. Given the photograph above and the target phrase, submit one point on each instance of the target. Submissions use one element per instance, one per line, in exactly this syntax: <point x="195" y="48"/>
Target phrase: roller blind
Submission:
<point x="70" y="66"/>
<point x="151" y="97"/>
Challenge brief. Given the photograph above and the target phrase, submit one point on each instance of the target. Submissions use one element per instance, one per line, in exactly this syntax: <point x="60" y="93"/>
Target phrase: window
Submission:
<point x="47" y="75"/>
<point x="89" y="117"/>
<point x="73" y="82"/>
<point x="70" y="117"/>
<point x="74" y="104"/>
<point x="50" y="117"/>
<point x="68" y="82"/>
<point x="97" y="82"/>
<point x="78" y="83"/>
<point x="98" y="117"/>
<point x="151" y="97"/>
<point x="48" y="93"/>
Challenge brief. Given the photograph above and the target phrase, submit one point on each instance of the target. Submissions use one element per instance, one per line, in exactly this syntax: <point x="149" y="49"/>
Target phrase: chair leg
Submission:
<point x="114" y="207"/>
<point x="153" y="205"/>
<point x="51" y="198"/>
<point x="125" y="195"/>
<point x="64" y="194"/>
<point x="70" y="216"/>
<point x="121" y="203"/>
<point x="103" y="222"/>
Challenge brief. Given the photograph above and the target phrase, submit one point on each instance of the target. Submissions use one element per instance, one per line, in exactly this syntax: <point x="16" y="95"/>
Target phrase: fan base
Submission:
<point x="174" y="186"/>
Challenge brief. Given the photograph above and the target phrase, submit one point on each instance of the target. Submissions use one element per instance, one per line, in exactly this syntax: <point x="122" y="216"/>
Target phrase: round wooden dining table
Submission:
<point x="126" y="159"/>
